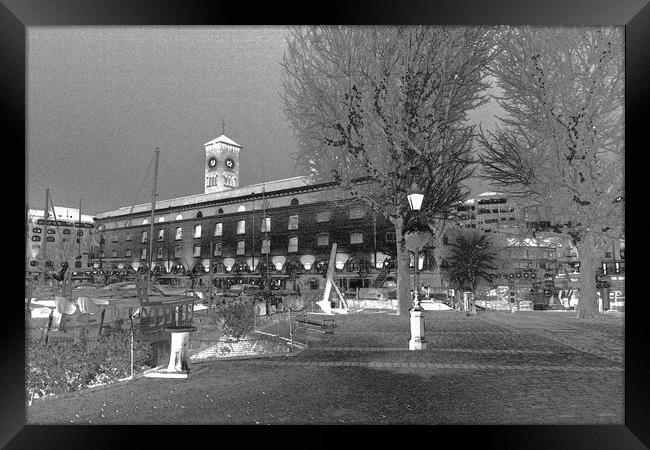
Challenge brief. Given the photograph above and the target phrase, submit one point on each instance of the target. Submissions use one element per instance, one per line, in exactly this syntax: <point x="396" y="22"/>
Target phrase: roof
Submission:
<point x="223" y="139"/>
<point x="267" y="187"/>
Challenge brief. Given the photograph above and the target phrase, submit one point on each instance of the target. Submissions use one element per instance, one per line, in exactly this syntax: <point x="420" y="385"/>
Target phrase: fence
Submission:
<point x="68" y="352"/>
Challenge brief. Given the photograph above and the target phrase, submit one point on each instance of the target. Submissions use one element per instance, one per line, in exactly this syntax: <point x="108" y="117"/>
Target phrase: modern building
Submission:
<point x="64" y="239"/>
<point x="544" y="264"/>
<point x="283" y="228"/>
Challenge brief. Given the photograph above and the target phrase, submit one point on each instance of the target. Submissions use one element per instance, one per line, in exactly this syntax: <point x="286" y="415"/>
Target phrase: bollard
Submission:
<point x="417" y="341"/>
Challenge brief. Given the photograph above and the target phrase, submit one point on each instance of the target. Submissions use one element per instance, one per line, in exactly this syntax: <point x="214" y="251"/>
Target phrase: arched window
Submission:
<point x="161" y="219"/>
<point x="323" y="239"/>
<point x="179" y="217"/>
<point x="241" y="227"/>
<point x="266" y="246"/>
<point x="145" y="221"/>
<point x="293" y="244"/>
<point x="197" y="231"/>
<point x="294" y="202"/>
<point x="357" y="212"/>
<point x="241" y="208"/>
<point x="199" y="215"/>
<point x="241" y="247"/>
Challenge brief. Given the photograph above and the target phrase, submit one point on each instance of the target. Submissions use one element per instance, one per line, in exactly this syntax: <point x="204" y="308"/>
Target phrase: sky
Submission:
<point x="101" y="99"/>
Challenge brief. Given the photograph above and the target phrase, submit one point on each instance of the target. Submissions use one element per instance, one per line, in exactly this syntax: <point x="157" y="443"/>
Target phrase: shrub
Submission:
<point x="236" y="318"/>
<point x="65" y="366"/>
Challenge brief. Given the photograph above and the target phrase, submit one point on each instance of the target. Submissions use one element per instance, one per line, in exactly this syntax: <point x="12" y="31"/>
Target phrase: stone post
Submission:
<point x="417" y="341"/>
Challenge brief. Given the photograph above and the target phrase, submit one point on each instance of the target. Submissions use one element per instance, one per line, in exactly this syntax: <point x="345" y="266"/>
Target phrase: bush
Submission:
<point x="236" y="318"/>
<point x="59" y="366"/>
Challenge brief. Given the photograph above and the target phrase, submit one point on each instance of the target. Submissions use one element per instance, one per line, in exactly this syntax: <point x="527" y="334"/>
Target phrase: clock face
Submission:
<point x="212" y="162"/>
<point x="230" y="163"/>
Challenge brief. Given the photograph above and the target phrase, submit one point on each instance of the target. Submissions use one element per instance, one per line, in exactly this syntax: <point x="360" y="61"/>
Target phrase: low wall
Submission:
<point x="372" y="304"/>
<point x="251" y="346"/>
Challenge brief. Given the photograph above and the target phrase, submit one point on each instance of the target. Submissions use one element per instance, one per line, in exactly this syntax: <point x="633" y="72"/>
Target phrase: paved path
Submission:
<point x="563" y="328"/>
<point x="434" y="366"/>
<point x="485" y="369"/>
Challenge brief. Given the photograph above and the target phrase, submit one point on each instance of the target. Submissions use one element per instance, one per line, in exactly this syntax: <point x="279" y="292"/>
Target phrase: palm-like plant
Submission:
<point x="472" y="257"/>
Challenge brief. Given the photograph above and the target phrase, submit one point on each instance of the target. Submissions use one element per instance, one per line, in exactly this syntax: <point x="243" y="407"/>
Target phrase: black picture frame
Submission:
<point x="17" y="15"/>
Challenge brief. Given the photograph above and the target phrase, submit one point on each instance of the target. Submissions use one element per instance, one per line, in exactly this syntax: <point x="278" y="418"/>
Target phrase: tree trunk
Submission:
<point x="403" y="260"/>
<point x="588" y="301"/>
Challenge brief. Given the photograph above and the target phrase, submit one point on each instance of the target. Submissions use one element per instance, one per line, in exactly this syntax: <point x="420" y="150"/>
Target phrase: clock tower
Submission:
<point x="221" y="164"/>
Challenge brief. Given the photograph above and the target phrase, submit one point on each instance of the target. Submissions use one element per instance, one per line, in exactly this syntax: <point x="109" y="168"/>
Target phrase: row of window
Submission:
<point x="322" y="240"/>
<point x="495" y="210"/>
<point x="51" y="239"/>
<point x="322" y="216"/>
<point x="38" y="230"/>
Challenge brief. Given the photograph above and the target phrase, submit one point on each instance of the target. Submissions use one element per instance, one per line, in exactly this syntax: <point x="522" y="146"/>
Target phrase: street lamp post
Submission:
<point x="417" y="341"/>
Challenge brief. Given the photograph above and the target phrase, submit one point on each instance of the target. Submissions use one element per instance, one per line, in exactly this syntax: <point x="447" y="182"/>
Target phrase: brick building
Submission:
<point x="282" y="228"/>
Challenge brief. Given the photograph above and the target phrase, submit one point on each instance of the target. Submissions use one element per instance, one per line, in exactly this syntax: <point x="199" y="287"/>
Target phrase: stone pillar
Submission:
<point x="417" y="341"/>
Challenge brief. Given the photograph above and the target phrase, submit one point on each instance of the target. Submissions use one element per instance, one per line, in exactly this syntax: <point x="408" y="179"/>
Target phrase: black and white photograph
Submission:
<point x="325" y="225"/>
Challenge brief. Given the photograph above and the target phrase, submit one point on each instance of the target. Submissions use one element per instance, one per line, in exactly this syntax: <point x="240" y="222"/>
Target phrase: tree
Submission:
<point x="560" y="146"/>
<point x="472" y="257"/>
<point x="377" y="108"/>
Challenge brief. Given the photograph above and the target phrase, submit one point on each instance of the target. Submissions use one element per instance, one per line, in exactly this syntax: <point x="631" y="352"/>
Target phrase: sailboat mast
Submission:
<point x="45" y="217"/>
<point x="79" y="228"/>
<point x="153" y="207"/>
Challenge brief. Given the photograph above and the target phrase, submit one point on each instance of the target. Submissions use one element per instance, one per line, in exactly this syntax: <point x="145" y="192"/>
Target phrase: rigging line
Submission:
<point x="142" y="184"/>
<point x="56" y="224"/>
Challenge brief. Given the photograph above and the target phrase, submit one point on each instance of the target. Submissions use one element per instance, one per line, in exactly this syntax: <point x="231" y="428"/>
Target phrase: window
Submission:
<point x="608" y="255"/>
<point x="102" y="254"/>
<point x="179" y="217"/>
<point x="160" y="253"/>
<point x="50" y="231"/>
<point x="323" y="216"/>
<point x="294" y="202"/>
<point x="113" y="253"/>
<point x="129" y="237"/>
<point x="143" y="253"/>
<point x="357" y="213"/>
<point x="323" y="239"/>
<point x="127" y="253"/>
<point x="356" y="238"/>
<point x="161" y="235"/>
<point x="66" y="231"/>
<point x="114" y="238"/>
<point x="161" y="219"/>
<point x="36" y="230"/>
<point x="197" y="251"/>
<point x="197" y="231"/>
<point x="218" y="229"/>
<point x="241" y="227"/>
<point x="241" y="247"/>
<point x="293" y="222"/>
<point x="36" y="238"/>
<point x="266" y="246"/>
<point x="266" y="224"/>
<point x="177" y="251"/>
<point x="145" y="221"/>
<point x="218" y="249"/>
<point x="445" y="240"/>
<point x="293" y="244"/>
<point x="50" y="239"/>
<point x="179" y="233"/>
<point x="390" y="236"/>
<point x="229" y="180"/>
<point x="143" y="237"/>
